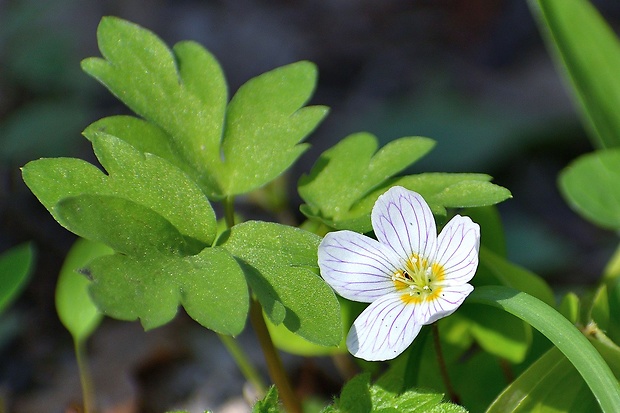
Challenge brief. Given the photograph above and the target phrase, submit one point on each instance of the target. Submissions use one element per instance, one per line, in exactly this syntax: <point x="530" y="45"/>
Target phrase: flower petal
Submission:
<point x="384" y="329"/>
<point x="357" y="267"/>
<point x="402" y="220"/>
<point x="457" y="250"/>
<point x="449" y="300"/>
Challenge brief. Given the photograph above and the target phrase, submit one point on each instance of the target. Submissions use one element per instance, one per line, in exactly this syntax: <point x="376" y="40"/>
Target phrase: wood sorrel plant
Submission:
<point x="189" y="147"/>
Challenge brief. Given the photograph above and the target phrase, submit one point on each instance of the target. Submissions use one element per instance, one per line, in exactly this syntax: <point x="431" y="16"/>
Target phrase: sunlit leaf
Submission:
<point x="156" y="268"/>
<point x="280" y="264"/>
<point x="347" y="179"/>
<point x="144" y="179"/>
<point x="182" y="94"/>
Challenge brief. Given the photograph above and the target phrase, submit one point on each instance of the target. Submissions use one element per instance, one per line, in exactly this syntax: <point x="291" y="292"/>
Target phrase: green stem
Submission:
<point x="274" y="363"/>
<point x="229" y="211"/>
<point x="442" y="366"/>
<point x="244" y="364"/>
<point x="88" y="393"/>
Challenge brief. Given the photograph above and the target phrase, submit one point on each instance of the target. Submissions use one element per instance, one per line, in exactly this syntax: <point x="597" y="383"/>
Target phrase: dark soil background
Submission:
<point x="472" y="74"/>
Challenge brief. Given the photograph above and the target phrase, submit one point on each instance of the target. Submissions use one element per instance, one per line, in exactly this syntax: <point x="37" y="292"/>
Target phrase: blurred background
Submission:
<point x="472" y="74"/>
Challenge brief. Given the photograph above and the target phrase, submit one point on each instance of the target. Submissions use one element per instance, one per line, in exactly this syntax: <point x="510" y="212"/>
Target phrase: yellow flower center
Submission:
<point x="419" y="280"/>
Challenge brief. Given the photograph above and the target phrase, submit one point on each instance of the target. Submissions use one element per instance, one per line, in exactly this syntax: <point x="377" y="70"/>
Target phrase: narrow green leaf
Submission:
<point x="590" y="186"/>
<point x="551" y="384"/>
<point x="75" y="308"/>
<point x="562" y="334"/>
<point x="280" y="265"/>
<point x="589" y="54"/>
<point x="15" y="268"/>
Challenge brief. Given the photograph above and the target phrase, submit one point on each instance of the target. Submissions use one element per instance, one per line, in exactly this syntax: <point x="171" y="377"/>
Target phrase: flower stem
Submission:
<point x="88" y="393"/>
<point x="274" y="363"/>
<point x="229" y="211"/>
<point x="442" y="366"/>
<point x="244" y="364"/>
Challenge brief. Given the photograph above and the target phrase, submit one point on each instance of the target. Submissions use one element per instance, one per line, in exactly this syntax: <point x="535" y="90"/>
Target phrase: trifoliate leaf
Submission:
<point x="350" y="170"/>
<point x="280" y="263"/>
<point x="347" y="179"/>
<point x="182" y="93"/>
<point x="156" y="268"/>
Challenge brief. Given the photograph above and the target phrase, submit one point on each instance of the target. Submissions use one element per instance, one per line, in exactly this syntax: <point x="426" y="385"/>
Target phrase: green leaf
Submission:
<point x="264" y="124"/>
<point x="600" y="311"/>
<point x="355" y="395"/>
<point x="590" y="186"/>
<point x="156" y="269"/>
<point x="182" y="94"/>
<point x="359" y="396"/>
<point x="494" y="269"/>
<point x="209" y="285"/>
<point x="455" y="190"/>
<point x="75" y="308"/>
<point x="499" y="333"/>
<point x="125" y="226"/>
<point x="144" y="179"/>
<point x="613" y="329"/>
<point x="350" y="170"/>
<point x="589" y="54"/>
<point x="562" y="334"/>
<point x="551" y="384"/>
<point x="280" y="264"/>
<point x="570" y="307"/>
<point x="15" y="268"/>
<point x="345" y="182"/>
<point x="269" y="403"/>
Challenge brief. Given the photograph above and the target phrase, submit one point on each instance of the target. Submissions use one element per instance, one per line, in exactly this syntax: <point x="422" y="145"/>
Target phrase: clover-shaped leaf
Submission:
<point x="348" y="178"/>
<point x="182" y="96"/>
<point x="280" y="263"/>
<point x="156" y="268"/>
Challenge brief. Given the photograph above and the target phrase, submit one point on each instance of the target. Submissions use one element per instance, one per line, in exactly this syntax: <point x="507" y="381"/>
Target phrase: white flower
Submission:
<point x="411" y="276"/>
